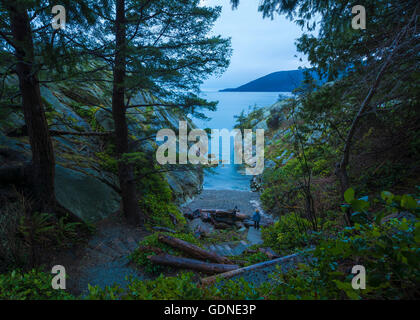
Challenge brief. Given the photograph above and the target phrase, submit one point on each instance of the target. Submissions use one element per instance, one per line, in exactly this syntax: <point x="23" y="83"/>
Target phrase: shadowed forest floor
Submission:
<point x="104" y="260"/>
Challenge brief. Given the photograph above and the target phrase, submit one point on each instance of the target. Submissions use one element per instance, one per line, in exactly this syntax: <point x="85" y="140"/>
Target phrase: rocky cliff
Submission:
<point x="82" y="184"/>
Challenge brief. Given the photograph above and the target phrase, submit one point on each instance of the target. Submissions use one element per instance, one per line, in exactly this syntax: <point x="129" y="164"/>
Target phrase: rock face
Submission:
<point x="84" y="195"/>
<point x="83" y="185"/>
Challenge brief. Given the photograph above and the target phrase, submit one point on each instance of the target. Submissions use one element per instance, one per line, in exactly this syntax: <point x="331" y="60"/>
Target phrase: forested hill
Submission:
<point x="281" y="81"/>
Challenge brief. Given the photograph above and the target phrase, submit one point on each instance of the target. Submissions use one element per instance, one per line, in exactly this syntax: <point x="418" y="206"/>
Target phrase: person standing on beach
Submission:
<point x="256" y="217"/>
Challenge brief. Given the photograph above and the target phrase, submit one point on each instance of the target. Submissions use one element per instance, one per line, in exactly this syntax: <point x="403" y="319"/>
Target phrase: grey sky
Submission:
<point x="260" y="46"/>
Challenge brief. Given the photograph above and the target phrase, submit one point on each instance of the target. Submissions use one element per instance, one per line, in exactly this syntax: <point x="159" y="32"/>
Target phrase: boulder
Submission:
<point x="84" y="195"/>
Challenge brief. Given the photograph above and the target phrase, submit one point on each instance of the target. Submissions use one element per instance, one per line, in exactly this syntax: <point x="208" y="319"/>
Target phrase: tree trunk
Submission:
<point x="185" y="263"/>
<point x="341" y="167"/>
<point x="193" y="250"/>
<point x="43" y="162"/>
<point x="125" y="170"/>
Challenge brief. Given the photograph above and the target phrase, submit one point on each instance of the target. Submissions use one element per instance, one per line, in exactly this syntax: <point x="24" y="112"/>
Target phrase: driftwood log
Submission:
<point x="226" y="213"/>
<point x="186" y="263"/>
<point x="193" y="250"/>
<point x="229" y="274"/>
<point x="217" y="211"/>
<point x="221" y="225"/>
<point x="241" y="216"/>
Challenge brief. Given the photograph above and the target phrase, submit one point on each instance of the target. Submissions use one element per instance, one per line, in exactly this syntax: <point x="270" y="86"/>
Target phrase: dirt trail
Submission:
<point x="104" y="260"/>
<point x="247" y="202"/>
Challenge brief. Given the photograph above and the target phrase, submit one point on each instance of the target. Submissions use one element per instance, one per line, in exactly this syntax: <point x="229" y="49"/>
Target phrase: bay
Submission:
<point x="228" y="176"/>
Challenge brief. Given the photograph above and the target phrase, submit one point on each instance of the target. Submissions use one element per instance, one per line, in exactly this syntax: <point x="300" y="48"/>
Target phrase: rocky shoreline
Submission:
<point x="246" y="201"/>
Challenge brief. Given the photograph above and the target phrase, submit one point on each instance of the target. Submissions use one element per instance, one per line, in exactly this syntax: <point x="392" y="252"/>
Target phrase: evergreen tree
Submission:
<point x="159" y="47"/>
<point x="32" y="49"/>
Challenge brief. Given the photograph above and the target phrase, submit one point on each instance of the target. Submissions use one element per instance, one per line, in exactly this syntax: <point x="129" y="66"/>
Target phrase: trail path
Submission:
<point x="104" y="260"/>
<point x="247" y="202"/>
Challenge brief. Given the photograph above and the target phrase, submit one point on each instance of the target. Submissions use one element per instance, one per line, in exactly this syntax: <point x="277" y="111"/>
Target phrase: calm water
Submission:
<point x="231" y="104"/>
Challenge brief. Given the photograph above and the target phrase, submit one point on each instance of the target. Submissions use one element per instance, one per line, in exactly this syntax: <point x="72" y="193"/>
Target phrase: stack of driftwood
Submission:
<point x="201" y="260"/>
<point x="221" y="218"/>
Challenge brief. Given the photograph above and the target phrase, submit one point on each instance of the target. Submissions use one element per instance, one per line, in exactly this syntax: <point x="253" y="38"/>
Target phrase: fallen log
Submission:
<point x="221" y="225"/>
<point x="192" y="214"/>
<point x="227" y="220"/>
<point x="186" y="263"/>
<point x="242" y="216"/>
<point x="229" y="274"/>
<point x="230" y="214"/>
<point x="193" y="250"/>
<point x="217" y="211"/>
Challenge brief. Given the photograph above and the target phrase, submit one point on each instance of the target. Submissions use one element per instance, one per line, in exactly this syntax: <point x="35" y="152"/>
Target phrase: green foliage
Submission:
<point x="389" y="252"/>
<point x="248" y="119"/>
<point x="162" y="288"/>
<point x="89" y="114"/>
<point x="250" y="257"/>
<point x="391" y="204"/>
<point x="182" y="287"/>
<point x="24" y="234"/>
<point x="156" y="201"/>
<point x="288" y="233"/>
<point x="223" y="235"/>
<point x="44" y="229"/>
<point x="33" y="285"/>
<point x="388" y="249"/>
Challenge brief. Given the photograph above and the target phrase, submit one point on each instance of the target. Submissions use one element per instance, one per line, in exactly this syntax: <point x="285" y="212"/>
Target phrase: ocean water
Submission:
<point x="229" y="176"/>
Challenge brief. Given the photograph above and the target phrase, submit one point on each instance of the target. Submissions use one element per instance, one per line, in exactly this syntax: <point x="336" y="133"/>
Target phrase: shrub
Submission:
<point x="251" y="258"/>
<point x="24" y="236"/>
<point x="33" y="285"/>
<point x="287" y="233"/>
<point x="387" y="248"/>
<point x="182" y="287"/>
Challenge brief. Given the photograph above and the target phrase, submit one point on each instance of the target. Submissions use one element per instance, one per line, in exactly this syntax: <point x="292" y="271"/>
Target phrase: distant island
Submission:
<point x="281" y="81"/>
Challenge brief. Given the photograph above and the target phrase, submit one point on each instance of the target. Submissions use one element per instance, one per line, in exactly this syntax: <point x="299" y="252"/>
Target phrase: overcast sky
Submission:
<point x="260" y="46"/>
